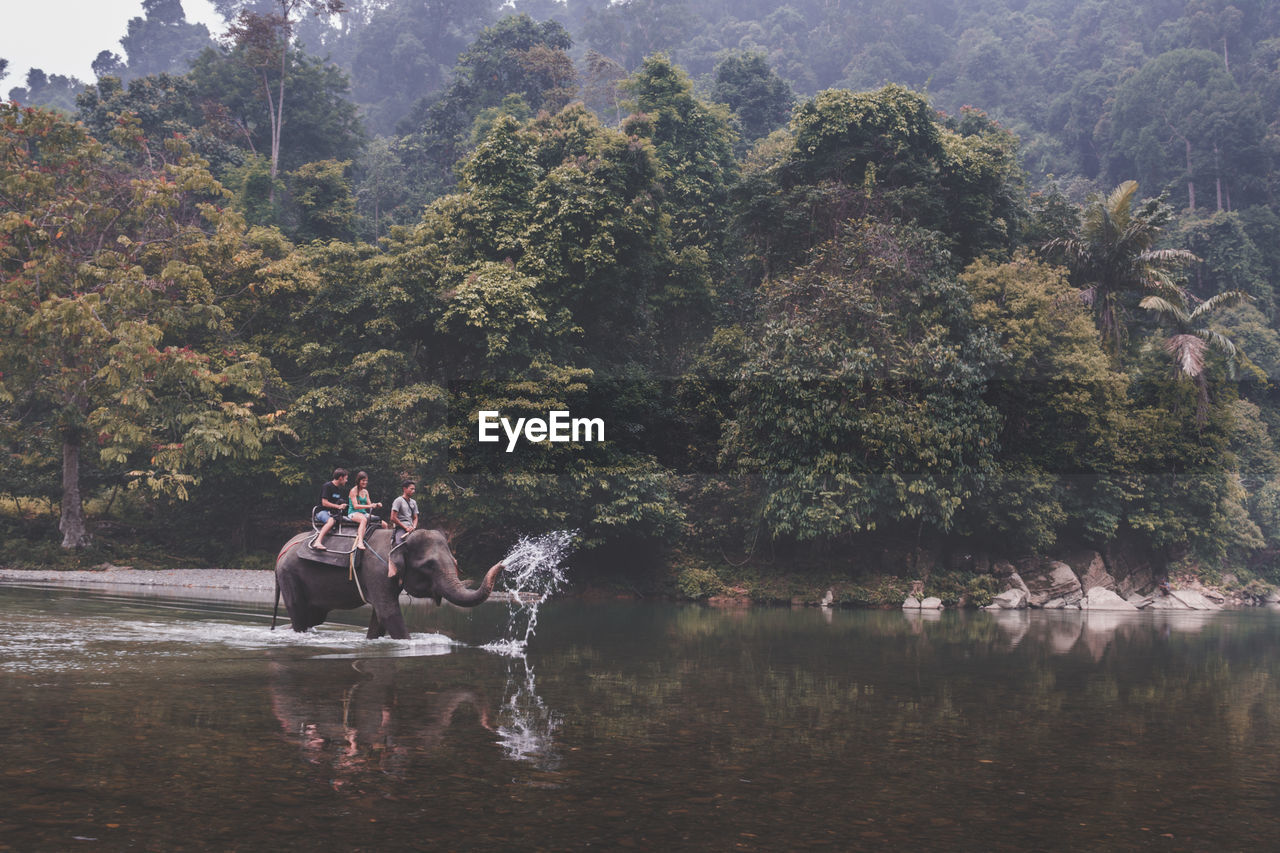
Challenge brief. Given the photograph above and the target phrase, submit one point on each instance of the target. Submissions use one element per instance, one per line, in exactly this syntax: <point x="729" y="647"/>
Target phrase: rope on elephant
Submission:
<point x="353" y="575"/>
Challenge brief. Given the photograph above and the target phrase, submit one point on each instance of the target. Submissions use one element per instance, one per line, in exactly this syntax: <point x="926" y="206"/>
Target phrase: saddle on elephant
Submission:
<point x="340" y="547"/>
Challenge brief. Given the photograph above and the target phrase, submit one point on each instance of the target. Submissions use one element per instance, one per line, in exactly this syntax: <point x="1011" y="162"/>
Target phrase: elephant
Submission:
<point x="312" y="584"/>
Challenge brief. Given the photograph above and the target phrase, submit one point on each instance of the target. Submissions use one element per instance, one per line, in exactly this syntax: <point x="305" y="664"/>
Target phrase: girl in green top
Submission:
<point x="362" y="508"/>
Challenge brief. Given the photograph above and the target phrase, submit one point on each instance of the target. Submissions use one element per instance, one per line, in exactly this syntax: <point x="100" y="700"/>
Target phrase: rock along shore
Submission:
<point x="1089" y="580"/>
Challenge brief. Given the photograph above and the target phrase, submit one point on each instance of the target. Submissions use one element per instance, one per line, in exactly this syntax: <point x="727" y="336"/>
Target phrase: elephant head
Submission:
<point x="429" y="570"/>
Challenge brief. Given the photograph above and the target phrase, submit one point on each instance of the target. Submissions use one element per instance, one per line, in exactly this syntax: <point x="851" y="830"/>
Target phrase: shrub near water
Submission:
<point x="698" y="583"/>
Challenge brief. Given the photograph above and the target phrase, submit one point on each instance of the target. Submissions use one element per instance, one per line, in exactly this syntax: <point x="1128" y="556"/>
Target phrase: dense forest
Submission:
<point x="855" y="287"/>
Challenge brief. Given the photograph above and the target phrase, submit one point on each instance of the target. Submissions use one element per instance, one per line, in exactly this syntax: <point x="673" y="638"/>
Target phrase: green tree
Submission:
<point x="380" y="187"/>
<point x="162" y="41"/>
<point x="112" y="335"/>
<point x="760" y="99"/>
<point x="884" y="154"/>
<point x="1114" y="257"/>
<point x="323" y="123"/>
<point x="164" y="106"/>
<point x="264" y="42"/>
<point x="406" y="49"/>
<point x="1183" y="120"/>
<point x="53" y="91"/>
<point x="1229" y="259"/>
<point x="322" y="196"/>
<point x="860" y="406"/>
<point x="1190" y="337"/>
<point x="515" y="56"/>
<point x="1062" y="406"/>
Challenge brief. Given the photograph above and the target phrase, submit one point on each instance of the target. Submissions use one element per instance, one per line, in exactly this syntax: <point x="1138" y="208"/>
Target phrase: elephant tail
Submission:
<point x="275" y="611"/>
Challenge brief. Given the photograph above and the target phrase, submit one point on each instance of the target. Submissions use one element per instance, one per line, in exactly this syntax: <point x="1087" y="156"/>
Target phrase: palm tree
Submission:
<point x="1190" y="338"/>
<point x="1113" y="255"/>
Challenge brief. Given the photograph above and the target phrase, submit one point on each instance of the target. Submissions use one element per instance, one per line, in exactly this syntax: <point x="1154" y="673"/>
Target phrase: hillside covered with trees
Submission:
<point x="857" y="288"/>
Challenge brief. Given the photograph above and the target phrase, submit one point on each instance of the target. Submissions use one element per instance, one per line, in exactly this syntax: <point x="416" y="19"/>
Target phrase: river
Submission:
<point x="148" y="722"/>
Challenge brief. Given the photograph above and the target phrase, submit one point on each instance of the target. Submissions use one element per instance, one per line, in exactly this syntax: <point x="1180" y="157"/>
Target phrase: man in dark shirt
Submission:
<point x="333" y="504"/>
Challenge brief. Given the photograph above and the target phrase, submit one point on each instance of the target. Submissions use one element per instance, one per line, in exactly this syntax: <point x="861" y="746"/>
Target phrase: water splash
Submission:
<point x="534" y="572"/>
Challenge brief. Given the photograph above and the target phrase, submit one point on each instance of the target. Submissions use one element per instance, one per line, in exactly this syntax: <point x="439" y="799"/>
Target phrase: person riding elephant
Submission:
<point x="361" y="508"/>
<point x="333" y="505"/>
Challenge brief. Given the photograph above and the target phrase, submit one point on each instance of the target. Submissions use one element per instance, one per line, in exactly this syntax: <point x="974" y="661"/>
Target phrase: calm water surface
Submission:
<point x="150" y="723"/>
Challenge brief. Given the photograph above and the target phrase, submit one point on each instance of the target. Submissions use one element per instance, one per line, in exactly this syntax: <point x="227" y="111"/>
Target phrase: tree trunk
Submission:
<point x="1217" y="175"/>
<point x="1191" y="187"/>
<point x="278" y="121"/>
<point x="74" y="534"/>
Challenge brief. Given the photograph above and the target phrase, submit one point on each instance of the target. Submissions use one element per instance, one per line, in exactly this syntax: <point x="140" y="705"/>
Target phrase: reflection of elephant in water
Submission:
<point x="425" y="569"/>
<point x="364" y="726"/>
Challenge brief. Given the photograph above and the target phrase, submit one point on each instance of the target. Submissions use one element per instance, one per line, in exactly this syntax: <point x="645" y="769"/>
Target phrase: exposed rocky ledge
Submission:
<point x="1090" y="580"/>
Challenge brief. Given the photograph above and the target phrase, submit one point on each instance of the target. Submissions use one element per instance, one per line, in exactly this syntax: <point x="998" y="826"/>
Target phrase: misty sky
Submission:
<point x="64" y="36"/>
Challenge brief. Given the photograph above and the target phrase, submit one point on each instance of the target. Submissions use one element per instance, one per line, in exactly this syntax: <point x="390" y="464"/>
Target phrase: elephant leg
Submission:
<point x="396" y="627"/>
<point x="295" y="599"/>
<point x="389" y="620"/>
<point x="384" y="595"/>
<point x="314" y="616"/>
<point x="303" y="615"/>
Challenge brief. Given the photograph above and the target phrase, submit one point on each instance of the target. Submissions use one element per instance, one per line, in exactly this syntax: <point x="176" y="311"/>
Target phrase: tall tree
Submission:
<point x="861" y="402"/>
<point x="266" y="41"/>
<point x="406" y="51"/>
<point x="1061" y="402"/>
<point x="516" y="56"/>
<point x="110" y="329"/>
<point x="760" y="99"/>
<point x="1182" y="120"/>
<point x="162" y="41"/>
<point x="323" y="123"/>
<point x="1191" y="337"/>
<point x="1114" y="257"/>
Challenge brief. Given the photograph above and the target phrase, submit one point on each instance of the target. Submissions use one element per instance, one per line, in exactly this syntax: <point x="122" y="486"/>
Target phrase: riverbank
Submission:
<point x="112" y="576"/>
<point x="198" y="582"/>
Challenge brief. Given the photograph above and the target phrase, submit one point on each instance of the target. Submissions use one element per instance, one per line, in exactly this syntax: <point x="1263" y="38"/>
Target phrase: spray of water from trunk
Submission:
<point x="534" y="572"/>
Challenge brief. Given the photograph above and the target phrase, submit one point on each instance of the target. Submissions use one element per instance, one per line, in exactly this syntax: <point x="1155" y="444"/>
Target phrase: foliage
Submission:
<point x="406" y="49"/>
<point x="515" y="56"/>
<point x="122" y="350"/>
<point x="163" y="106"/>
<point x="699" y="583"/>
<point x="162" y="41"/>
<point x="860" y="407"/>
<point x="884" y="154"/>
<point x="759" y="98"/>
<point x="1115" y="259"/>
<point x="1063" y="407"/>
<point x="53" y="91"/>
<point x="322" y="124"/>
<point x="1182" y="122"/>
<point x="322" y="196"/>
<point x="766" y="317"/>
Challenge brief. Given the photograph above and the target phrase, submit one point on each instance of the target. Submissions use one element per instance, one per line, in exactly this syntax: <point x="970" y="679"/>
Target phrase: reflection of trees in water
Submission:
<point x="1002" y="683"/>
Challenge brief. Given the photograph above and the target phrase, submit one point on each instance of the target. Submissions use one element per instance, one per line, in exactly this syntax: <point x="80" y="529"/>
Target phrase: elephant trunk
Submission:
<point x="454" y="592"/>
